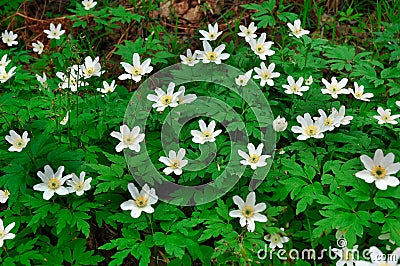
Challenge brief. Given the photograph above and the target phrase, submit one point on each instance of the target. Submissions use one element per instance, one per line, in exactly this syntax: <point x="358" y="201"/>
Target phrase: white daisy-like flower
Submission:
<point x="261" y="47"/>
<point x="380" y="170"/>
<point x="137" y="70"/>
<point x="18" y="143"/>
<point x="248" y="33"/>
<point x="91" y="67"/>
<point x="107" y="87"/>
<point x="207" y="133"/>
<point x="215" y="56"/>
<point x="212" y="34"/>
<point x="380" y="259"/>
<point x="254" y="158"/>
<point x="295" y="87"/>
<point x="164" y="99"/>
<point x="128" y="139"/>
<point x="9" y="38"/>
<point x="309" y="81"/>
<point x="339" y="117"/>
<point x="5" y="232"/>
<point x="65" y="119"/>
<point x="277" y="239"/>
<point x="190" y="59"/>
<point x="335" y="88"/>
<point x="279" y="124"/>
<point x="174" y="162"/>
<point x="249" y="211"/>
<point x="52" y="182"/>
<point x="385" y="116"/>
<point x="54" y="32"/>
<point x="4" y="75"/>
<point x="346" y="256"/>
<point x="309" y="128"/>
<point x="72" y="80"/>
<point x="182" y="98"/>
<point x="88" y="4"/>
<point x="296" y="29"/>
<point x="42" y="80"/>
<point x="359" y="94"/>
<point x="330" y="121"/>
<point x="4" y="194"/>
<point x="266" y="74"/>
<point x="4" y="62"/>
<point x="242" y="80"/>
<point x="38" y="47"/>
<point x="78" y="185"/>
<point x="141" y="201"/>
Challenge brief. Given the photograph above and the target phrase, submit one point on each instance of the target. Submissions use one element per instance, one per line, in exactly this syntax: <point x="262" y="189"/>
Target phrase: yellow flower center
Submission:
<point x="174" y="164"/>
<point x="141" y="201"/>
<point x="166" y="99"/>
<point x="89" y="71"/>
<point x="135" y="71"/>
<point x="212" y="56"/>
<point x="19" y="143"/>
<point x="358" y="94"/>
<point x="129" y="139"/>
<point x="297" y="31"/>
<point x="53" y="183"/>
<point x="379" y="171"/>
<point x="211" y="35"/>
<point x="334" y="89"/>
<point x="248" y="32"/>
<point x="276" y="238"/>
<point x="6" y="193"/>
<point x="79" y="185"/>
<point x="1" y="233"/>
<point x="55" y="32"/>
<point x="260" y="48"/>
<point x="265" y="75"/>
<point x="248" y="211"/>
<point x="190" y="59"/>
<point x="328" y="122"/>
<point x="206" y="134"/>
<point x="4" y="75"/>
<point x="254" y="158"/>
<point x="295" y="88"/>
<point x="386" y="117"/>
<point x="311" y="130"/>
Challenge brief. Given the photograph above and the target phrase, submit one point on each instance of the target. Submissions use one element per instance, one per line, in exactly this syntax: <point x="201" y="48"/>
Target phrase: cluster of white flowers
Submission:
<point x="4" y="74"/>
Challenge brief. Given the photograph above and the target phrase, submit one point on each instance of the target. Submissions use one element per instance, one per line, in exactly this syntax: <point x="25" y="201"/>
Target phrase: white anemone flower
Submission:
<point x="88" y="4"/>
<point x="5" y="232"/>
<point x="279" y="124"/>
<point x="215" y="56"/>
<point x="4" y="75"/>
<point x="9" y="38"/>
<point x="309" y="128"/>
<point x="190" y="59"/>
<point x="42" y="80"/>
<point x="248" y="33"/>
<point x="277" y="239"/>
<point x="359" y="94"/>
<point x="385" y="116"/>
<point x="266" y="74"/>
<point x="330" y="121"/>
<point x="261" y="47"/>
<point x="254" y="158"/>
<point x="137" y="70"/>
<point x="380" y="170"/>
<point x="339" y="117"/>
<point x="107" y="87"/>
<point x="212" y="34"/>
<point x="78" y="185"/>
<point x="335" y="88"/>
<point x="242" y="80"/>
<point x="4" y="194"/>
<point x="207" y="133"/>
<point x="4" y="62"/>
<point x="72" y="80"/>
<point x="52" y="182"/>
<point x="128" y="138"/>
<point x="164" y="99"/>
<point x="91" y="67"/>
<point x="182" y="98"/>
<point x="54" y="32"/>
<point x="249" y="212"/>
<point x="38" y="47"/>
<point x="18" y="143"/>
<point x="295" y="87"/>
<point x="174" y="162"/>
<point x="141" y="201"/>
<point x="309" y="81"/>
<point x="296" y="29"/>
